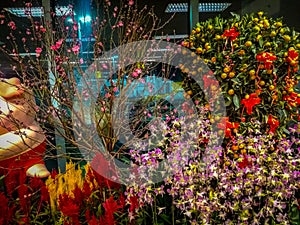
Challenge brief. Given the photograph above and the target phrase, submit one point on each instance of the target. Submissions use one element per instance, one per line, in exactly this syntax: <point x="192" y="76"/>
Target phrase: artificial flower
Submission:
<point x="251" y="102"/>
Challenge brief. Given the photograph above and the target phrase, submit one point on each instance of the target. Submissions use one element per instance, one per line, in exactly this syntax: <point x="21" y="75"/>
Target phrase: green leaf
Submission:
<point x="165" y="218"/>
<point x="236" y="101"/>
<point x="261" y="42"/>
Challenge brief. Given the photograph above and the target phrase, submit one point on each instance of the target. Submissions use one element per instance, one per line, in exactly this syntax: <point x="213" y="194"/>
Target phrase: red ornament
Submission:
<point x="267" y="58"/>
<point x="251" y="102"/>
<point x="232" y="34"/>
<point x="273" y="123"/>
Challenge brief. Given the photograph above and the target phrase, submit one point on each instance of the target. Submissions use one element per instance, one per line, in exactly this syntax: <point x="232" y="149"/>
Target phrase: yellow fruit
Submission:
<point x="262" y="83"/>
<point x="293" y="63"/>
<point x="248" y="44"/>
<point x="273" y="33"/>
<point x="243" y="151"/>
<point x="282" y="31"/>
<point x="227" y="69"/>
<point x="267" y="44"/>
<point x="199" y="50"/>
<point x="197" y="30"/>
<point x="241" y="146"/>
<point x="258" y="37"/>
<point x="242" y="52"/>
<point x="252" y="72"/>
<point x="189" y="92"/>
<point x="266" y="24"/>
<point x="287" y="38"/>
<point x="207" y="47"/>
<point x="256" y="28"/>
<point x="231" y="74"/>
<point x="224" y="75"/>
<point x="269" y="71"/>
<point x="209" y="27"/>
<point x="235" y="147"/>
<point x="247" y="96"/>
<point x="227" y="163"/>
<point x="271" y="87"/>
<point x="235" y="156"/>
<point x="298" y="45"/>
<point x="231" y="92"/>
<point x="252" y="77"/>
<point x="278" y="24"/>
<point x="218" y="37"/>
<point x="255" y="19"/>
<point x="260" y="14"/>
<point x="213" y="59"/>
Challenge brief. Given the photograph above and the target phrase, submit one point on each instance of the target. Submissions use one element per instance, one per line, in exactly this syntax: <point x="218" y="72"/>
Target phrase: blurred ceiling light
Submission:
<point x="85" y="19"/>
<point x="38" y="11"/>
<point x="203" y="7"/>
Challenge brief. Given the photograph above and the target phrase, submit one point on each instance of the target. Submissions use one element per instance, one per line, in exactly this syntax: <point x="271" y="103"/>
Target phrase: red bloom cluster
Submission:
<point x="245" y="163"/>
<point x="251" y="102"/>
<point x="273" y="123"/>
<point x="293" y="99"/>
<point x="267" y="58"/>
<point x="231" y="33"/>
<point x="228" y="126"/>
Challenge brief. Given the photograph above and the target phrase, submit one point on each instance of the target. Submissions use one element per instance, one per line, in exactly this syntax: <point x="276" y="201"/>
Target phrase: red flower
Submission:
<point x="110" y="206"/>
<point x="266" y="58"/>
<point x="273" y="123"/>
<point x="102" y="169"/>
<point x="134" y="203"/>
<point x="6" y="213"/>
<point x="68" y="206"/>
<point x="251" y="102"/>
<point x="228" y="126"/>
<point x="245" y="163"/>
<point x="231" y="33"/>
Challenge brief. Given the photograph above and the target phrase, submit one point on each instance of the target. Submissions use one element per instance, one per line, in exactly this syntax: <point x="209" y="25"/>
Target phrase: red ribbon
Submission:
<point x="266" y="58"/>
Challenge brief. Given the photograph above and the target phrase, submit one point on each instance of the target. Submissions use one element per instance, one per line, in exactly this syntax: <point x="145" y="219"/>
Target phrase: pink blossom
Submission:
<point x="43" y="29"/>
<point x="81" y="60"/>
<point x="131" y="2"/>
<point x="75" y="27"/>
<point x="135" y="74"/>
<point x="76" y="49"/>
<point x="58" y="43"/>
<point x="138" y="70"/>
<point x="107" y="95"/>
<point x="28" y="4"/>
<point x="12" y="25"/>
<point x="120" y="24"/>
<point x="115" y="89"/>
<point x="38" y="51"/>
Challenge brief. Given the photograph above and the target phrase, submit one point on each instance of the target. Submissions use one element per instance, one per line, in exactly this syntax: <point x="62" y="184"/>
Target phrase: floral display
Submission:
<point x="251" y="176"/>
